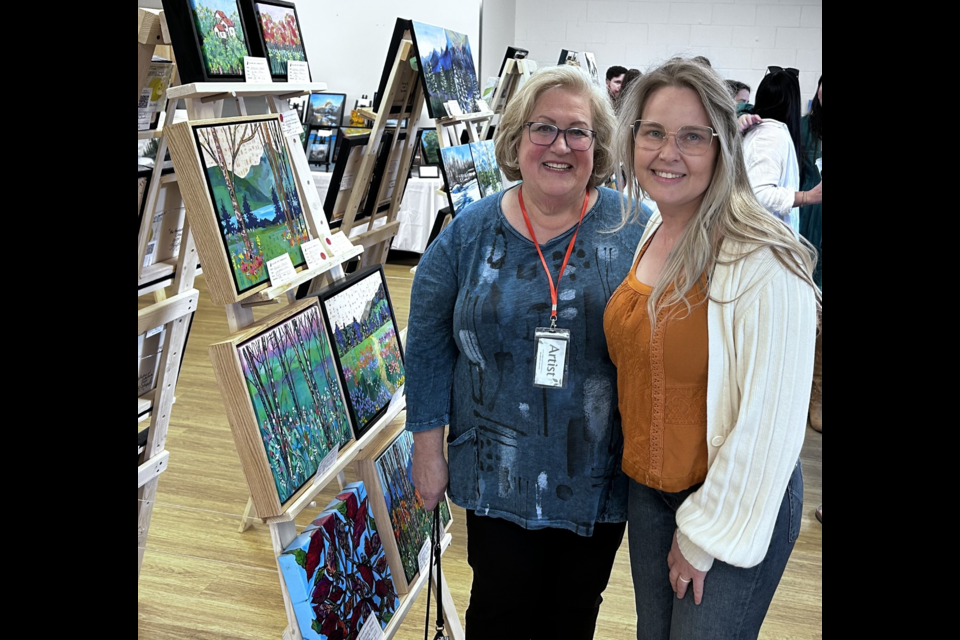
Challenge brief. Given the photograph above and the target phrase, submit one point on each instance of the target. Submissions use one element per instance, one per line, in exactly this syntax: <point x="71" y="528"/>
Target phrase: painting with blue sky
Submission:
<point x="449" y="72"/>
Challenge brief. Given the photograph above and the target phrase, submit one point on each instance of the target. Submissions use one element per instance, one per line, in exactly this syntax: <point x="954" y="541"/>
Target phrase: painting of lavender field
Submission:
<point x="364" y="330"/>
<point x="292" y="380"/>
<point x="449" y="72"/>
<point x="488" y="171"/>
<point x="461" y="175"/>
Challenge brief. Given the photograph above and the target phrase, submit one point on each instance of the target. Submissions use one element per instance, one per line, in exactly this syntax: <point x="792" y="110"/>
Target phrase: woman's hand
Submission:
<point x="815" y="195"/>
<point x="430" y="472"/>
<point x="748" y="121"/>
<point x="683" y="575"/>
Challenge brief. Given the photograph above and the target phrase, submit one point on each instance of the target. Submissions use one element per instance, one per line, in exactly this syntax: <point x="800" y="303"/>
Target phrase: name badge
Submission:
<point x="553" y="349"/>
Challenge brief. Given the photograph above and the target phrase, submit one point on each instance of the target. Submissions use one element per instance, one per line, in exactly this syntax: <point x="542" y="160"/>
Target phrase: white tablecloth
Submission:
<point x="418" y="211"/>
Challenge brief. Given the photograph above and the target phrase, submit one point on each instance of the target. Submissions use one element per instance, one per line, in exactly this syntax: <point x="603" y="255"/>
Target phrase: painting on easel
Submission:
<point x="460" y="174"/>
<point x="280" y="35"/>
<point x="448" y="70"/>
<point x="326" y="109"/>
<point x="222" y="40"/>
<point x="360" y="318"/>
<point x="294" y="389"/>
<point x="488" y="171"/>
<point x="251" y="183"/>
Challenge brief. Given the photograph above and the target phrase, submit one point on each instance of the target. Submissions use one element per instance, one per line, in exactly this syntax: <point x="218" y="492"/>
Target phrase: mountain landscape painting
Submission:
<point x="326" y="110"/>
<point x="460" y="172"/>
<point x="251" y="184"/>
<point x="448" y="69"/>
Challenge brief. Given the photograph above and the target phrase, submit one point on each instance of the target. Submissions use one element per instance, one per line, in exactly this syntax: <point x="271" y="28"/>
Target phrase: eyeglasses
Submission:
<point x="794" y="72"/>
<point x="692" y="141"/>
<point x="544" y="135"/>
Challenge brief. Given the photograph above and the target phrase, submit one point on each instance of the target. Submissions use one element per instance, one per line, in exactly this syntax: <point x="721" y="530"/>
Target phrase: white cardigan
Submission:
<point x="758" y="395"/>
<point x="774" y="170"/>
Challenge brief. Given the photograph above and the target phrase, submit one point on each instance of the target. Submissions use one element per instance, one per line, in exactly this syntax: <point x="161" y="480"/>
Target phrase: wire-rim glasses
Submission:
<point x="544" y="135"/>
<point x="692" y="140"/>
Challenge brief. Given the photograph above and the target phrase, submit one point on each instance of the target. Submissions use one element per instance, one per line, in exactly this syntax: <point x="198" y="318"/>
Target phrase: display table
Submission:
<point x="418" y="211"/>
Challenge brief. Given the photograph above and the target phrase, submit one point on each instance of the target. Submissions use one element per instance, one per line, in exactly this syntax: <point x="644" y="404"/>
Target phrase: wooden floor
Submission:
<point x="203" y="580"/>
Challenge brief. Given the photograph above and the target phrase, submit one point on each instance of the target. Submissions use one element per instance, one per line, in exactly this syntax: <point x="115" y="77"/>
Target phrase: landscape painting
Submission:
<point x="220" y="33"/>
<point x="249" y="176"/>
<point x="411" y="523"/>
<point x="461" y="175"/>
<point x="430" y="147"/>
<point x="361" y="321"/>
<point x="320" y="147"/>
<point x="281" y="35"/>
<point x="449" y="72"/>
<point x="326" y="109"/>
<point x="488" y="171"/>
<point x="337" y="572"/>
<point x="291" y="377"/>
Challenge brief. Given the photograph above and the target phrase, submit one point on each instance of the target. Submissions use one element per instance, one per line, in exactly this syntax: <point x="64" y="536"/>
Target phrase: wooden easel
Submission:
<point x="515" y="74"/>
<point x="204" y="102"/>
<point x="172" y="313"/>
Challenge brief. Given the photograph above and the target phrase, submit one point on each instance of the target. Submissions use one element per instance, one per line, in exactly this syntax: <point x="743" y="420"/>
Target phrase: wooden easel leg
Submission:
<point x="145" y="500"/>
<point x="282" y="535"/>
<point x="249" y="516"/>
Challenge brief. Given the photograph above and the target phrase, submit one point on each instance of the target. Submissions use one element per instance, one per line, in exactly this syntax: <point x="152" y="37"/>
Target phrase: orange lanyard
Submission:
<point x="573" y="241"/>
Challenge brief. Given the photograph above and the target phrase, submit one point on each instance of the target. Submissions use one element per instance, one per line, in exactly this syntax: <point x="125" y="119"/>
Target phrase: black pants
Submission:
<point x="537" y="585"/>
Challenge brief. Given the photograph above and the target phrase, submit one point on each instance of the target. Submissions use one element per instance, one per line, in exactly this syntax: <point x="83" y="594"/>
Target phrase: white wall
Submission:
<point x="741" y="37"/>
<point x="499" y="26"/>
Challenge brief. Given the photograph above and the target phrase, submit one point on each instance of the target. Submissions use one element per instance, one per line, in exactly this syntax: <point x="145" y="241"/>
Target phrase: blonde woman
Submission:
<point x="538" y="468"/>
<point x="713" y="333"/>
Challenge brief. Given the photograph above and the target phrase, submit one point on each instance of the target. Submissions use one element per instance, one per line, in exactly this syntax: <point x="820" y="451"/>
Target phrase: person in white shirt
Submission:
<point x="772" y="148"/>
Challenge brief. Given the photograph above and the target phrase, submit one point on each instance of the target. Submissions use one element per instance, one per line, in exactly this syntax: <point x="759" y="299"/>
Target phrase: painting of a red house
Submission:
<point x="222" y="40"/>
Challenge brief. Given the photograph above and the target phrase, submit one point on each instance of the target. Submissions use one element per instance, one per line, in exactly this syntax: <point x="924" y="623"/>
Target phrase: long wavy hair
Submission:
<point x="730" y="218"/>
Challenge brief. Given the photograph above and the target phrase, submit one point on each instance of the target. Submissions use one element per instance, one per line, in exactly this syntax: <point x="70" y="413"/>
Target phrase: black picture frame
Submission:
<point x="348" y="163"/>
<point x="428" y="159"/>
<point x="332" y="145"/>
<point x="188" y="44"/>
<point x="513" y="53"/>
<point x="311" y="121"/>
<point x="256" y="40"/>
<point x="400" y="29"/>
<point x="334" y="290"/>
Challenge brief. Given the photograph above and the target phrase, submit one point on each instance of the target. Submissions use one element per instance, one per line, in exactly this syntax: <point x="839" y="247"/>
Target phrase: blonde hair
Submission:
<point x="730" y="210"/>
<point x="520" y="110"/>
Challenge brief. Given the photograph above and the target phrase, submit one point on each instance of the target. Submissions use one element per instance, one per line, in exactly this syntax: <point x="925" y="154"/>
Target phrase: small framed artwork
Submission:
<point x="242" y="199"/>
<point x="275" y="34"/>
<point x="428" y="173"/>
<point x="448" y="70"/>
<point x="209" y="38"/>
<point x="321" y="144"/>
<point x="284" y="400"/>
<point x="326" y="109"/>
<point x="360" y="318"/>
<point x="387" y="471"/>
<point x="352" y="145"/>
<point x="460" y="176"/>
<point x="429" y="147"/>
<point x="488" y="170"/>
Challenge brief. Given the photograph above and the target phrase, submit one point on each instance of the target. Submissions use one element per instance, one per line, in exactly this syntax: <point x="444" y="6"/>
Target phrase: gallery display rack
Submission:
<point x="205" y="102"/>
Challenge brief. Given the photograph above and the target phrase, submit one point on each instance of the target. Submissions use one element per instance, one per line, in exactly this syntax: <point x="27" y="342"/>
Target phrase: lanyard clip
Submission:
<point x="553" y="322"/>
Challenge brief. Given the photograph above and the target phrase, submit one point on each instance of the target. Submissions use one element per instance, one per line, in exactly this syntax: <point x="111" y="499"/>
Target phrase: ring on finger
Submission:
<point x="684" y="581"/>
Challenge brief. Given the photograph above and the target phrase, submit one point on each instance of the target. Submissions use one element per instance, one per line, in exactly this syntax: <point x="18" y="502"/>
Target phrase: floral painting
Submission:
<point x="222" y="40"/>
<point x="281" y="35"/>
<point x="249" y="175"/>
<point x="368" y="346"/>
<point x="411" y="523"/>
<point x="295" y="390"/>
<point x="337" y="572"/>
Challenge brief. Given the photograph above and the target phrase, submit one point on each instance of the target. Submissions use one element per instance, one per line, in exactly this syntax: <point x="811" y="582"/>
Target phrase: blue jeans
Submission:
<point x="735" y="601"/>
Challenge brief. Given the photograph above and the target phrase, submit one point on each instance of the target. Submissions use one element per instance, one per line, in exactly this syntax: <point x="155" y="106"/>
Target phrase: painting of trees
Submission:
<point x="281" y="35"/>
<point x="221" y="35"/>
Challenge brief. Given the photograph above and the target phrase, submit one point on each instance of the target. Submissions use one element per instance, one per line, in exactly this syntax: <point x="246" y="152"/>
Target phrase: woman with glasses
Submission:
<point x="713" y="334"/>
<point x="772" y="148"/>
<point x="506" y="346"/>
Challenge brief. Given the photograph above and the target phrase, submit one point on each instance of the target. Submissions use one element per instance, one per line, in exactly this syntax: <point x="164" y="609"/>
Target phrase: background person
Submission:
<point x="713" y="336"/>
<point x="538" y="470"/>
<point x="615" y="82"/>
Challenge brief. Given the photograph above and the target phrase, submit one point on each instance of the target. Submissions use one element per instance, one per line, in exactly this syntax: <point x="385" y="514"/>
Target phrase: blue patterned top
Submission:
<point x="538" y="458"/>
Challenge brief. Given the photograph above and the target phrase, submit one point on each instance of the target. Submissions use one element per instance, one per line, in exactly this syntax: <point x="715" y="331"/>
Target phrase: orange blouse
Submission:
<point x="662" y="385"/>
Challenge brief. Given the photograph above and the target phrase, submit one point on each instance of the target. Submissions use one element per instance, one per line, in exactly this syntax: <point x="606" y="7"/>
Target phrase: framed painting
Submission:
<point x="429" y="148"/>
<point x="275" y="34"/>
<point x="488" y="171"/>
<point x="242" y="199"/>
<point x="353" y="144"/>
<point x="326" y="109"/>
<point x="284" y="400"/>
<point x="321" y="144"/>
<point x="209" y="39"/>
<point x="337" y="573"/>
<point x="460" y="175"/>
<point x="360" y="319"/>
<point x="386" y="173"/>
<point x="448" y="71"/>
<point x="387" y="472"/>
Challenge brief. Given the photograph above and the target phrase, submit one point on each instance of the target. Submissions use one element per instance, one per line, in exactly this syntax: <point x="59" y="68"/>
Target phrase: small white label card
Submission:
<point x="328" y="463"/>
<point x="257" y="70"/>
<point x="298" y="71"/>
<point x="551" y="360"/>
<point x="483" y="106"/>
<point x="340" y="244"/>
<point x="425" y="556"/>
<point x="371" y="629"/>
<point x="347" y="182"/>
<point x="453" y="108"/>
<point x="315" y="253"/>
<point x="281" y="270"/>
<point x="290" y="122"/>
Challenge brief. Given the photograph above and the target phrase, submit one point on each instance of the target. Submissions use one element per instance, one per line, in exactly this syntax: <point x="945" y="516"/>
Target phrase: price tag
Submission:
<point x="328" y="463"/>
<point x="281" y="270"/>
<point x="425" y="556"/>
<point x="298" y="71"/>
<point x="347" y="182"/>
<point x="340" y="244"/>
<point x="290" y="123"/>
<point x="453" y="108"/>
<point x="482" y="106"/>
<point x="315" y="253"/>
<point x="371" y="629"/>
<point x="257" y="70"/>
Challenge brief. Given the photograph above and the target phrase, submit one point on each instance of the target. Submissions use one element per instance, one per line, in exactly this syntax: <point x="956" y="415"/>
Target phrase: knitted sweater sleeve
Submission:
<point x="773" y="339"/>
<point x="766" y="154"/>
